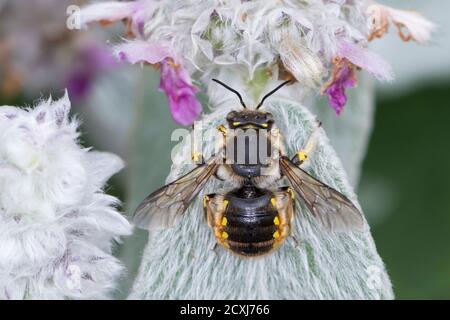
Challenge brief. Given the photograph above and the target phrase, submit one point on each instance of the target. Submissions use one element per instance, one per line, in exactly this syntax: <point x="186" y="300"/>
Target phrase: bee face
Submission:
<point x="246" y="119"/>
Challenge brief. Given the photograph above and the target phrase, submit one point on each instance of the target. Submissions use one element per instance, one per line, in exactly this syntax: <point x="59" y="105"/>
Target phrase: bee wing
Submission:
<point x="162" y="208"/>
<point x="334" y="210"/>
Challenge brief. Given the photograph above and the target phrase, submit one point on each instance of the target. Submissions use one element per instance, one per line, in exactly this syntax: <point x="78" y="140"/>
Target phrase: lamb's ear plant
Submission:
<point x="322" y="46"/>
<point x="57" y="225"/>
<point x="180" y="263"/>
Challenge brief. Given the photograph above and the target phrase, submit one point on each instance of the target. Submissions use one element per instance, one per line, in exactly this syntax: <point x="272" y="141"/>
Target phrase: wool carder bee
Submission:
<point x="255" y="218"/>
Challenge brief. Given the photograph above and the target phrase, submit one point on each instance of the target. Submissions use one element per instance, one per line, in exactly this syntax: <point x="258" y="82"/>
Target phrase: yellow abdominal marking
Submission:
<point x="224" y="235"/>
<point x="276" y="235"/>
<point x="225" y="204"/>
<point x="276" y="221"/>
<point x="224" y="221"/>
<point x="236" y="124"/>
<point x="265" y="125"/>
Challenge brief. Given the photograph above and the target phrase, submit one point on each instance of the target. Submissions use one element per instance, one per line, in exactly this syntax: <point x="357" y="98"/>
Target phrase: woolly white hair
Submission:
<point x="57" y="226"/>
<point x="249" y="35"/>
<point x="213" y="33"/>
<point x="178" y="262"/>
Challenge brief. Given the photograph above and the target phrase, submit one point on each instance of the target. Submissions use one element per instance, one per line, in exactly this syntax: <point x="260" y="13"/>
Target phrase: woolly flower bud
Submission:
<point x="56" y="224"/>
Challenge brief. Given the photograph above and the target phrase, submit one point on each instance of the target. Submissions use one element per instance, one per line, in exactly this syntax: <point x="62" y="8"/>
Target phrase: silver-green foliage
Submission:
<point x="178" y="262"/>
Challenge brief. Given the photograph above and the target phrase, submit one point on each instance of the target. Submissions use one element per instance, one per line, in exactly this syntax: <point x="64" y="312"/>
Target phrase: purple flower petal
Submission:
<point x="177" y="85"/>
<point x="184" y="108"/>
<point x="175" y="80"/>
<point x="366" y="60"/>
<point x="141" y="51"/>
<point x="343" y="78"/>
<point x="110" y="11"/>
<point x="135" y="12"/>
<point x="79" y="84"/>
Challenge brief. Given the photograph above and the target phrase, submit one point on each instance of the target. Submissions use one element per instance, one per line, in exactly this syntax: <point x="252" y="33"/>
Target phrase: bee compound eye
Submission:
<point x="231" y="115"/>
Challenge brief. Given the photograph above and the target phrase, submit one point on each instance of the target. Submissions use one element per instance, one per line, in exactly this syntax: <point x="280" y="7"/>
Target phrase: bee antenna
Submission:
<point x="232" y="90"/>
<point x="271" y="93"/>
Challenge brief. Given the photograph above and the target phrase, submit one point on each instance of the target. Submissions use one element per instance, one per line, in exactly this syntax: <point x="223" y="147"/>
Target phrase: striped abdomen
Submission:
<point x="250" y="222"/>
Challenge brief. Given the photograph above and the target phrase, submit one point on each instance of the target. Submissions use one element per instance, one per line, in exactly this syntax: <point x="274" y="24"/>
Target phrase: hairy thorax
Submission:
<point x="251" y="154"/>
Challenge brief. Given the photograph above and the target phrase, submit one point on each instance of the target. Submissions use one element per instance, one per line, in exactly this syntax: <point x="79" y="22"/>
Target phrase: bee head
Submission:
<point x="247" y="119"/>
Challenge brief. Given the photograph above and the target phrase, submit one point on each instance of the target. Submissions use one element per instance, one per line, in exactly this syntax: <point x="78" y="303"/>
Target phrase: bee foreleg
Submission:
<point x="197" y="157"/>
<point x="302" y="155"/>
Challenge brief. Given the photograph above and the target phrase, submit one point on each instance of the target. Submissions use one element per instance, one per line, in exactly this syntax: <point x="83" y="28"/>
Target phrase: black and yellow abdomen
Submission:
<point x="249" y="221"/>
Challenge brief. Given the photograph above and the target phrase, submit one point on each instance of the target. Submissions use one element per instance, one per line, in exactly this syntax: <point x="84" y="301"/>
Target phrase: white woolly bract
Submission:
<point x="208" y="35"/>
<point x="179" y="263"/>
<point x="211" y="34"/>
<point x="57" y="226"/>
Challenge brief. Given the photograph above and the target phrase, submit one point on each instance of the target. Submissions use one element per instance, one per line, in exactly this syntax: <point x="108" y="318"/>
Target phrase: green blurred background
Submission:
<point x="408" y="160"/>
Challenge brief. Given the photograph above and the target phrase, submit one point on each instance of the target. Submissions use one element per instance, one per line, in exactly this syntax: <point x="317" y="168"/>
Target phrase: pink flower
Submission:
<point x="138" y="51"/>
<point x="344" y="77"/>
<point x="175" y="82"/>
<point x="135" y="12"/>
<point x="349" y="56"/>
<point x="418" y="28"/>
<point x="365" y="59"/>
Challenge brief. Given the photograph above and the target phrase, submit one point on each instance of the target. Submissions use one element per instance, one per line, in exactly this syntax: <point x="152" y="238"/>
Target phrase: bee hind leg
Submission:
<point x="284" y="204"/>
<point x="209" y="204"/>
<point x="214" y="206"/>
